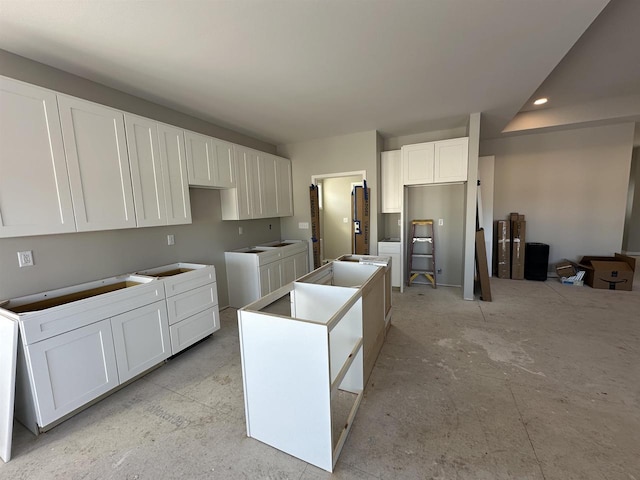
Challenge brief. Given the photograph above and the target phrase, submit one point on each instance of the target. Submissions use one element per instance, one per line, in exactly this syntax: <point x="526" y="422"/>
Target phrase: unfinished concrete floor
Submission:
<point x="542" y="383"/>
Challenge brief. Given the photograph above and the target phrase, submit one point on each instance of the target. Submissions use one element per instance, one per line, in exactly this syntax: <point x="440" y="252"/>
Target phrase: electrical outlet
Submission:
<point x="345" y="220"/>
<point x="399" y="222"/>
<point x="440" y="222"/>
<point x="171" y="239"/>
<point x="439" y="271"/>
<point x="25" y="259"/>
<point x="240" y="230"/>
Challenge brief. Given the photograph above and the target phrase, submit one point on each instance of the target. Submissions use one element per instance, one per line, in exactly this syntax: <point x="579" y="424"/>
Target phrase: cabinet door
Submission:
<point x="391" y="171"/>
<point x="94" y="142"/>
<point x="189" y="331"/>
<point x="141" y="339"/>
<point x="200" y="159"/>
<point x="288" y="269"/>
<point x="417" y="163"/>
<point x="244" y="183"/>
<point x="225" y="164"/>
<point x="32" y="161"/>
<point x="270" y="279"/>
<point x="71" y="369"/>
<point x="146" y="171"/>
<point x="267" y="185"/>
<point x="451" y="158"/>
<point x="301" y="263"/>
<point x="284" y="187"/>
<point x="175" y="176"/>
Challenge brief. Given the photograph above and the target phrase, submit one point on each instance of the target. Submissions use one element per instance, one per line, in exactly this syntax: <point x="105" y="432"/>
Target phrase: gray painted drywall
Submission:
<point x="571" y="185"/>
<point x="63" y="260"/>
<point x="345" y="153"/>
<point x="68" y="259"/>
<point x="631" y="240"/>
<point x="336" y="201"/>
<point x="445" y="202"/>
<point x="391" y="225"/>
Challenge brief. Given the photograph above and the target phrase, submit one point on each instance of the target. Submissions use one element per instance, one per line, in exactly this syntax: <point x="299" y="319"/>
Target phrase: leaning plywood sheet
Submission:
<point x="8" y="356"/>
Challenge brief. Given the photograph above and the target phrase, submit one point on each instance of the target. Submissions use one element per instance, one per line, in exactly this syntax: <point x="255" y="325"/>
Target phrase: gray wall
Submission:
<point x="346" y="153"/>
<point x="571" y="185"/>
<point x="63" y="260"/>
<point x="445" y="202"/>
<point x="631" y="241"/>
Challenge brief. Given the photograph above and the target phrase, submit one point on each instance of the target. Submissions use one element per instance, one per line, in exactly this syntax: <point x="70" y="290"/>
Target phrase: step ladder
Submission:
<point x="422" y="252"/>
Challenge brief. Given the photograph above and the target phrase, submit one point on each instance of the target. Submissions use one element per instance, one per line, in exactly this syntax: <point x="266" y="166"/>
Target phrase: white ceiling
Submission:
<point x="291" y="70"/>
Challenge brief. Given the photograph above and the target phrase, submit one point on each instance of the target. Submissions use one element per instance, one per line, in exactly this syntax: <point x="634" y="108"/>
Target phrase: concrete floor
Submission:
<point x="542" y="383"/>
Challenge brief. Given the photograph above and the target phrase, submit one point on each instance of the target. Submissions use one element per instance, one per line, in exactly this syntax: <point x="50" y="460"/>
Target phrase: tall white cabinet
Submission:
<point x="392" y="188"/>
<point x="96" y="149"/>
<point x="32" y="161"/>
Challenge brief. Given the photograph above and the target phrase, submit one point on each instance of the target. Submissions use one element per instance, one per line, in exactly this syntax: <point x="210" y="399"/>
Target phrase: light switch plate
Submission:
<point x="25" y="259"/>
<point x="303" y="225"/>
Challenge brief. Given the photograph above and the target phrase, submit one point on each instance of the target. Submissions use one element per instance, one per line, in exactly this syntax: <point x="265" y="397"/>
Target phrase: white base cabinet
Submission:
<point x="393" y="250"/>
<point x="256" y="271"/>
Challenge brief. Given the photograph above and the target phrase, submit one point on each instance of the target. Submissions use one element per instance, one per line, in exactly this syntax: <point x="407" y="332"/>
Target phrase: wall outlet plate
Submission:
<point x="171" y="239"/>
<point x="25" y="259"/>
<point x="303" y="225"/>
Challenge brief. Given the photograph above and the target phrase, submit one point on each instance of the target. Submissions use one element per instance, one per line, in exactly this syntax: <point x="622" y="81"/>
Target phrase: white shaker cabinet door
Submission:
<point x="141" y="339"/>
<point x="200" y="159"/>
<point x="71" y="369"/>
<point x="417" y="163"/>
<point x="270" y="277"/>
<point x="451" y="158"/>
<point x="225" y="164"/>
<point x="95" y="145"/>
<point x="174" y="168"/>
<point x="146" y="171"/>
<point x="391" y="173"/>
<point x="268" y="189"/>
<point x="32" y="163"/>
<point x="301" y="262"/>
<point x="284" y="187"/>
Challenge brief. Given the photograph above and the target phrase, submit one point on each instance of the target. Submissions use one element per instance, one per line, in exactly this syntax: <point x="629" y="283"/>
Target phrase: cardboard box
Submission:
<point x="565" y="269"/>
<point x="611" y="273"/>
<point x="517" y="249"/>
<point x="503" y="249"/>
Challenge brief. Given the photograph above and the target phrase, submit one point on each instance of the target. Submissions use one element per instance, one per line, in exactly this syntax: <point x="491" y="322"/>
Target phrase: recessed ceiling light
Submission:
<point x="541" y="101"/>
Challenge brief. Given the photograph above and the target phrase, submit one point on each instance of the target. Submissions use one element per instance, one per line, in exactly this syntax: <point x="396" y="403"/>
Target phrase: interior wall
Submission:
<point x="395" y="143"/>
<point x="336" y="201"/>
<point x="571" y="185"/>
<point x="63" y="260"/>
<point x="69" y="259"/>
<point x="631" y="240"/>
<point x="345" y="153"/>
<point x="391" y="225"/>
<point x="444" y="202"/>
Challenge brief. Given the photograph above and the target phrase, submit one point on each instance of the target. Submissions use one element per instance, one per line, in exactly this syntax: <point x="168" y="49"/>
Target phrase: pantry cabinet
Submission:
<point x="435" y="162"/>
<point x="392" y="188"/>
<point x="32" y="162"/>
<point x="209" y="161"/>
<point x="98" y="165"/>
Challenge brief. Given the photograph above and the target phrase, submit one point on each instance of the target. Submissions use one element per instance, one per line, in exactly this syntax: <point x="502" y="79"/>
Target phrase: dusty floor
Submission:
<point x="542" y="383"/>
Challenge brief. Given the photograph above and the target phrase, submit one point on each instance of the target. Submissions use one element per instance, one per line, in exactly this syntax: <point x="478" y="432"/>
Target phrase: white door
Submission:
<point x="417" y="163"/>
<point x="284" y="187"/>
<point x="94" y="142"/>
<point x="141" y="339"/>
<point x="146" y="171"/>
<point x="200" y="159"/>
<point x="71" y="369"/>
<point x="174" y="169"/>
<point x="391" y="172"/>
<point x="451" y="158"/>
<point x="225" y="167"/>
<point x="32" y="163"/>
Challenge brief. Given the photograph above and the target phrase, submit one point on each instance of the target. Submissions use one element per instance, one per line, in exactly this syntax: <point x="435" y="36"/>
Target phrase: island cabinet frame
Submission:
<point x="303" y="370"/>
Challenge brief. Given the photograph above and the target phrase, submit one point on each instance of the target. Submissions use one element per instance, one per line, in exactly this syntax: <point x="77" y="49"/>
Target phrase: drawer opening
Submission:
<point x="71" y="297"/>
<point x="172" y="272"/>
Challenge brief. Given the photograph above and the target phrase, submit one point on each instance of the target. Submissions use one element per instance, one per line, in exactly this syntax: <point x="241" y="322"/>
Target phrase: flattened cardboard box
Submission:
<point x="518" y="246"/>
<point x="503" y="249"/>
<point x="611" y="273"/>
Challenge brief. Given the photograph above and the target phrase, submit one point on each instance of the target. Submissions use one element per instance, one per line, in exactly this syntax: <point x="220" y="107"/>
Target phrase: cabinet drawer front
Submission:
<point x="188" y="281"/>
<point x="187" y="303"/>
<point x="269" y="256"/>
<point x="54" y="321"/>
<point x="190" y="330"/>
<point x="141" y="339"/>
<point x="72" y="369"/>
<point x="389" y="247"/>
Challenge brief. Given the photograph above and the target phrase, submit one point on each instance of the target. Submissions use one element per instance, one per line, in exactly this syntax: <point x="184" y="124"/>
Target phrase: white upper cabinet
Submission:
<point x="95" y="146"/>
<point x="451" y="159"/>
<point x="444" y="161"/>
<point x="285" y="182"/>
<point x="175" y="178"/>
<point x="268" y="185"/>
<point x="237" y="202"/>
<point x="417" y="163"/>
<point x="146" y="171"/>
<point x="392" y="188"/>
<point x="210" y="161"/>
<point x="35" y="197"/>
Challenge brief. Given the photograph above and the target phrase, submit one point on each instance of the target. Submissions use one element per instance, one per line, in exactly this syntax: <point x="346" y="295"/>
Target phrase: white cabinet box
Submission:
<point x="67" y="355"/>
<point x="191" y="300"/>
<point x="32" y="161"/>
<point x="391" y="178"/>
<point x="392" y="249"/>
<point x="209" y="161"/>
<point x="256" y="271"/>
<point x="443" y="161"/>
<point x="302" y="369"/>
